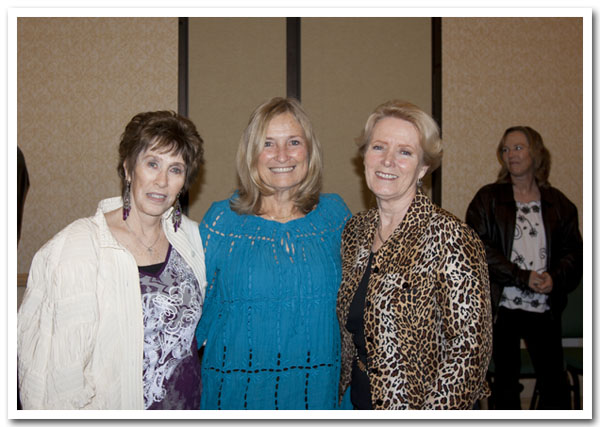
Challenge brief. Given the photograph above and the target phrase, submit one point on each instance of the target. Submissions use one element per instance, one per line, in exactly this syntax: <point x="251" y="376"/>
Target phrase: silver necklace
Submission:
<point x="281" y="218"/>
<point x="149" y="248"/>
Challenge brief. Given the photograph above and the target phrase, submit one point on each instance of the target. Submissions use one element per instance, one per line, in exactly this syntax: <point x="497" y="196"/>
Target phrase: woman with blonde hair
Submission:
<point x="413" y="306"/>
<point x="273" y="266"/>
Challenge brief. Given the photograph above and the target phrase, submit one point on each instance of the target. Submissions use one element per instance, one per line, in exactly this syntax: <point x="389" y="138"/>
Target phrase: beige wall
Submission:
<point x="349" y="66"/>
<point x="502" y="72"/>
<point x="497" y="72"/>
<point x="234" y="65"/>
<point x="80" y="80"/>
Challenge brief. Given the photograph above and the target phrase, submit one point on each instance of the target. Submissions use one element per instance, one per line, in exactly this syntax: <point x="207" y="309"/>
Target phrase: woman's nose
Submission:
<point x="162" y="178"/>
<point x="388" y="158"/>
<point x="282" y="154"/>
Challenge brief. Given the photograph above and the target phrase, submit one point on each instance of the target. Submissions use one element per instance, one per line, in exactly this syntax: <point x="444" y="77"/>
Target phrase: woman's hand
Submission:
<point x="541" y="283"/>
<point x="547" y="284"/>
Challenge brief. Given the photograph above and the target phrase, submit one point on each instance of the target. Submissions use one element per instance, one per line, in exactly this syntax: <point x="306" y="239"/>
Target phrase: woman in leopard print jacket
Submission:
<point x="414" y="303"/>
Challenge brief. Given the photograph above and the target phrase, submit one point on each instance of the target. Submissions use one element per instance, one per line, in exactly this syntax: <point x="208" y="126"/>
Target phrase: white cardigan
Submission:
<point x="80" y="326"/>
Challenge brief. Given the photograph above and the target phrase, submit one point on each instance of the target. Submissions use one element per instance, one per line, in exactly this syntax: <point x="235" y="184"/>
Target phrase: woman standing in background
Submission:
<point x="535" y="256"/>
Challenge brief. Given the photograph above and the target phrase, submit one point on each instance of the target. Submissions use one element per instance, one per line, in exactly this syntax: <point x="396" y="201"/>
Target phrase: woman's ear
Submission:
<point x="127" y="176"/>
<point x="424" y="169"/>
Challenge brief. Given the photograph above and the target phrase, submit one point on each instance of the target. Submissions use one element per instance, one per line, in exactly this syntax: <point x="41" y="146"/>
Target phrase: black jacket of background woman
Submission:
<point x="492" y="214"/>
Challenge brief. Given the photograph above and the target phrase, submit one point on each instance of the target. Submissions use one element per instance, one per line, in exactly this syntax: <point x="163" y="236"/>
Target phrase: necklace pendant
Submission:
<point x="150" y="250"/>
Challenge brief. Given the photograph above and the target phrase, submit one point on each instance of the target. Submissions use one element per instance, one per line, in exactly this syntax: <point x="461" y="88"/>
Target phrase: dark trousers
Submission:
<point x="542" y="335"/>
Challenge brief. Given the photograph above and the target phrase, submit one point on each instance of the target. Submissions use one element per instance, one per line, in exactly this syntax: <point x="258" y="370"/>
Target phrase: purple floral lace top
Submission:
<point x="171" y="307"/>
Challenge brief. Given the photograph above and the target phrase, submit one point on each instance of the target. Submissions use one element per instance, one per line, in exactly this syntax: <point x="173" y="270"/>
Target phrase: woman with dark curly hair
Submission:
<point x="113" y="300"/>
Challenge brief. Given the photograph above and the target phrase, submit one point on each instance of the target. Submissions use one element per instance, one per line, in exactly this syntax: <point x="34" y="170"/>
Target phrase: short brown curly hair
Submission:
<point x="161" y="130"/>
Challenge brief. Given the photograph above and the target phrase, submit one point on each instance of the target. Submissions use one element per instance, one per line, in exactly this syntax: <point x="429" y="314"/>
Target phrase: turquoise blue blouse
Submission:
<point x="269" y="320"/>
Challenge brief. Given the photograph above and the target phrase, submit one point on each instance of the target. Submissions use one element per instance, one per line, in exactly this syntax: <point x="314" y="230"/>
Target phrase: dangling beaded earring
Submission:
<point x="127" y="200"/>
<point x="177" y="213"/>
<point x="419" y="183"/>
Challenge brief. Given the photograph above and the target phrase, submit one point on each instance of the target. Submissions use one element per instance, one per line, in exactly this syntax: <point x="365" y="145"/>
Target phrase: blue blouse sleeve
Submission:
<point x="335" y="207"/>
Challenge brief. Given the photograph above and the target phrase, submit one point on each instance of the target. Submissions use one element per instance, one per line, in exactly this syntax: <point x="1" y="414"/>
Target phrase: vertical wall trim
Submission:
<point x="436" y="104"/>
<point x="293" y="57"/>
<point x="183" y="85"/>
<point x="182" y="62"/>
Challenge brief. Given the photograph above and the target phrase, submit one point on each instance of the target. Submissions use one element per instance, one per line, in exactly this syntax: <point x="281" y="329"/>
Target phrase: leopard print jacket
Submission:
<point x="427" y="318"/>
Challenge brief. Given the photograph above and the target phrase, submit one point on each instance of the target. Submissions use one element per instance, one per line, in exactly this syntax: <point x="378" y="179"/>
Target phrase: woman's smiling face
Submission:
<point x="157" y="179"/>
<point x="283" y="161"/>
<point x="394" y="160"/>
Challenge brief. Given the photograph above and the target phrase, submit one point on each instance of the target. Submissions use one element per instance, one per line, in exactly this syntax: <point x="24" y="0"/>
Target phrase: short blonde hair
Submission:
<point x="250" y="186"/>
<point x="429" y="133"/>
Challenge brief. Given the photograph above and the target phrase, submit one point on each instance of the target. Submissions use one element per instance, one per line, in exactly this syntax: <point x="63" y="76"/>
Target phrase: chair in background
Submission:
<point x="572" y="332"/>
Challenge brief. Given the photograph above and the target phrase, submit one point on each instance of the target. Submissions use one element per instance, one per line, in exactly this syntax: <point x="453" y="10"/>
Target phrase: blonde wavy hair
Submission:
<point x="251" y="188"/>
